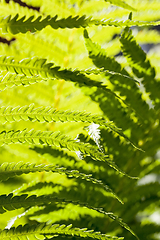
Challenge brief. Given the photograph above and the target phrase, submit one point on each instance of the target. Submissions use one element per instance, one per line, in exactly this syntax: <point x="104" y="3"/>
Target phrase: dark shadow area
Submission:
<point x="6" y="41"/>
<point x="25" y="5"/>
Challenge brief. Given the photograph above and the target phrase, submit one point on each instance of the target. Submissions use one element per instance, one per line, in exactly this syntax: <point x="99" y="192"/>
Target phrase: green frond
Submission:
<point x="41" y="231"/>
<point x="100" y="58"/>
<point x="49" y="114"/>
<point x="58" y="140"/>
<point x="121" y="83"/>
<point x="16" y="25"/>
<point x="10" y="170"/>
<point x="110" y="74"/>
<point x="10" y="202"/>
<point x="141" y="66"/>
<point x="38" y="68"/>
<point x="135" y="55"/>
<point x="121" y="3"/>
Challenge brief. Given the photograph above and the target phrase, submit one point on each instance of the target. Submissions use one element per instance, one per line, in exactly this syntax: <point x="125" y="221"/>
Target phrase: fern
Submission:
<point x="10" y="170"/>
<point x="79" y="100"/>
<point x="51" y="230"/>
<point x="58" y="140"/>
<point x="10" y="202"/>
<point x="49" y="114"/>
<point x="16" y="25"/>
<point x="38" y="68"/>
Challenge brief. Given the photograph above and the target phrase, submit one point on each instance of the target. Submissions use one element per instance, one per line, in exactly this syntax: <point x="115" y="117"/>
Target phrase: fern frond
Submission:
<point x="58" y="140"/>
<point x="141" y="66"/>
<point x="41" y="231"/>
<point x="35" y="67"/>
<point x="121" y="3"/>
<point x="135" y="55"/>
<point x="9" y="170"/>
<point x="99" y="56"/>
<point x="49" y="114"/>
<point x="16" y="25"/>
<point x="10" y="202"/>
<point x="101" y="60"/>
<point x="38" y="68"/>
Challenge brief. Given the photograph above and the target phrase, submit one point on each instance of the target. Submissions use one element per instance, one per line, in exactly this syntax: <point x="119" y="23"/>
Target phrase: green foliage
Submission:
<point x="79" y="133"/>
<point x="37" y="231"/>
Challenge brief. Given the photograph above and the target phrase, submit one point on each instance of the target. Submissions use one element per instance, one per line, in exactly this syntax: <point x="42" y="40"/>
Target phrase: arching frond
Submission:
<point x="141" y="66"/>
<point x="9" y="170"/>
<point x="10" y="202"/>
<point x="100" y="58"/>
<point x="135" y="55"/>
<point x="49" y="114"/>
<point x="39" y="69"/>
<point x="15" y="24"/>
<point x="58" y="140"/>
<point x="42" y="231"/>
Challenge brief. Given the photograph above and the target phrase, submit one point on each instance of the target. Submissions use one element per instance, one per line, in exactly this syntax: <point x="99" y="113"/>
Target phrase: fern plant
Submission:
<point x="79" y="116"/>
